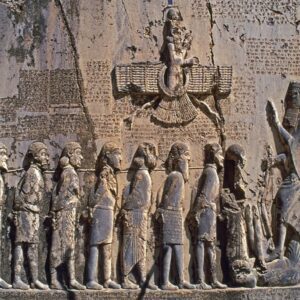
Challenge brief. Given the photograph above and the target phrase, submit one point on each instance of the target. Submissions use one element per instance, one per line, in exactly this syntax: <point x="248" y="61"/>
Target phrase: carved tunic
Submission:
<point x="1" y="191"/>
<point x="135" y="220"/>
<point x="27" y="206"/>
<point x="208" y="192"/>
<point x="171" y="209"/>
<point x="64" y="202"/>
<point x="103" y="203"/>
<point x="288" y="195"/>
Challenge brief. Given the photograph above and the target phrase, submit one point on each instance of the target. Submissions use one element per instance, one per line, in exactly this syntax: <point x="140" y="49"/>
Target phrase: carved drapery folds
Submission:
<point x="249" y="257"/>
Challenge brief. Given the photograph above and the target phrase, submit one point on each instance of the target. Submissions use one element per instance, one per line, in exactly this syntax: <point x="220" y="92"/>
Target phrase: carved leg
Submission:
<point x="200" y="267"/>
<point x="167" y="257"/>
<point x="281" y="239"/>
<point x="33" y="256"/>
<point x="250" y="228"/>
<point x="92" y="269"/>
<point x="141" y="265"/>
<point x="108" y="283"/>
<point x="55" y="284"/>
<point x="279" y="248"/>
<point x="211" y="251"/>
<point x="178" y="249"/>
<point x="74" y="284"/>
<point x="3" y="284"/>
<point x="18" y="263"/>
<point x="260" y="258"/>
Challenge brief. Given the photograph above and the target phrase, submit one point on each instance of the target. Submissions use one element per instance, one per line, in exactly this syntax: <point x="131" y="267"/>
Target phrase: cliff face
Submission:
<point x="57" y="60"/>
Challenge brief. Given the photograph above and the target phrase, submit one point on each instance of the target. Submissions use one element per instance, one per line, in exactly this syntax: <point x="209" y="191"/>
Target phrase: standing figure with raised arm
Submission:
<point x="27" y="205"/>
<point x="288" y="195"/>
<point x="205" y="216"/>
<point x="170" y="214"/>
<point x="102" y="206"/>
<point x="134" y="216"/>
<point x="3" y="169"/>
<point x="65" y="200"/>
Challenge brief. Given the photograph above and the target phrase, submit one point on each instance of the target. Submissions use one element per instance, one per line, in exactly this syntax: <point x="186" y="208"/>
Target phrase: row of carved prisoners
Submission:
<point x="246" y="223"/>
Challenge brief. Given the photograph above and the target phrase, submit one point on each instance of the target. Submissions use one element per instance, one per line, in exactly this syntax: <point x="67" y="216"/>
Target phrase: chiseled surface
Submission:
<point x="56" y="62"/>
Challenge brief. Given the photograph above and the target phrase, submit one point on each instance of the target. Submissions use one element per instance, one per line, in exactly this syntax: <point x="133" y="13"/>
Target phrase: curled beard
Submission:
<point x="183" y="168"/>
<point x="150" y="162"/>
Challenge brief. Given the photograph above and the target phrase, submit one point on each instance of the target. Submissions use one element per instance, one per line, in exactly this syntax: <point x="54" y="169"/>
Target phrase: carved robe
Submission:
<point x="135" y="219"/>
<point x="103" y="203"/>
<point x="288" y="195"/>
<point x="205" y="203"/>
<point x="65" y="199"/>
<point x="171" y="209"/>
<point x="28" y="197"/>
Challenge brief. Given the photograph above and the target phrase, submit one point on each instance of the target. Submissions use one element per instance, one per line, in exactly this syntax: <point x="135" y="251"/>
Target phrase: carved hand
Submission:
<point x="273" y="112"/>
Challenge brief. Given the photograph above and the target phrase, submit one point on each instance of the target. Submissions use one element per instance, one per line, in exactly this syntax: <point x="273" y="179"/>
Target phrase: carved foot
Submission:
<point x="186" y="285"/>
<point x="203" y="286"/>
<point x="74" y="284"/>
<point x="20" y="285"/>
<point x="274" y="255"/>
<point x="169" y="287"/>
<point x="110" y="284"/>
<point x="128" y="285"/>
<point x="93" y="285"/>
<point x="149" y="286"/>
<point x="260" y="266"/>
<point x="56" y="285"/>
<point x="4" y="284"/>
<point x="41" y="286"/>
<point x="218" y="285"/>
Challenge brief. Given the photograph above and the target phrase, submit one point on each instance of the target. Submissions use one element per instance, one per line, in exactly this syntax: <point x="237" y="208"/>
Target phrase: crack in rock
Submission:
<point x="79" y="78"/>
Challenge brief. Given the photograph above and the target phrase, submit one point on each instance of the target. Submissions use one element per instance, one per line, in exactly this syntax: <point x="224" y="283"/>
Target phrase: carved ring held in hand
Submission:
<point x="173" y="93"/>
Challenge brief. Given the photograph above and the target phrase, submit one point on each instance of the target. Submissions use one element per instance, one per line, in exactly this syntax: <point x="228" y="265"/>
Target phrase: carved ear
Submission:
<point x="64" y="161"/>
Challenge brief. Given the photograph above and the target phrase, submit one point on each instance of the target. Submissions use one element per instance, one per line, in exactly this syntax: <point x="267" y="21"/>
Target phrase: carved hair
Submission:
<point x="210" y="150"/>
<point x="69" y="148"/>
<point x="2" y="146"/>
<point x="35" y="148"/>
<point x="176" y="151"/>
<point x="235" y="152"/>
<point x="142" y="155"/>
<point x="107" y="148"/>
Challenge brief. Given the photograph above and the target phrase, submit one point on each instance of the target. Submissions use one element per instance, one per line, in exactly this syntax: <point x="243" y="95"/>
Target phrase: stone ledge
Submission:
<point x="279" y="293"/>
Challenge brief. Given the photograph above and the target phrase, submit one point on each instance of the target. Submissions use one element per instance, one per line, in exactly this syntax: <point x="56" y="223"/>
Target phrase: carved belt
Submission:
<point x="104" y="207"/>
<point x="173" y="208"/>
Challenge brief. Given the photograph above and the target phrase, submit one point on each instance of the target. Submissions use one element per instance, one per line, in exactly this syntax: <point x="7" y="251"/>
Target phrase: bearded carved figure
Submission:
<point x="204" y="215"/>
<point x="134" y="216"/>
<point x="3" y="169"/>
<point x="170" y="216"/>
<point x="65" y="199"/>
<point x="102" y="214"/>
<point x="28" y="200"/>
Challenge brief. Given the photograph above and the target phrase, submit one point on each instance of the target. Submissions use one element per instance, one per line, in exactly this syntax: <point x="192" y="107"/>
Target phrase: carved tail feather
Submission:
<point x="293" y="252"/>
<point x="175" y="111"/>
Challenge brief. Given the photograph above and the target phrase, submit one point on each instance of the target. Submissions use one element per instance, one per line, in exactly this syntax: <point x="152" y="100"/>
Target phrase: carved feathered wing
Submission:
<point x="147" y="79"/>
<point x="138" y="78"/>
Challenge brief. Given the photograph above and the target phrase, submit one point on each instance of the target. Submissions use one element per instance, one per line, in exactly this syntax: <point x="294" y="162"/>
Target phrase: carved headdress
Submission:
<point x="176" y="151"/>
<point x="106" y="149"/>
<point x="292" y="107"/>
<point x="210" y="150"/>
<point x="145" y="154"/>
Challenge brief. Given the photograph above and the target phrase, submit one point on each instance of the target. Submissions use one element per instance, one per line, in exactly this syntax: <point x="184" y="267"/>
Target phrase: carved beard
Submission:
<point x="183" y="168"/>
<point x="75" y="161"/>
<point x="150" y="162"/>
<point x="3" y="166"/>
